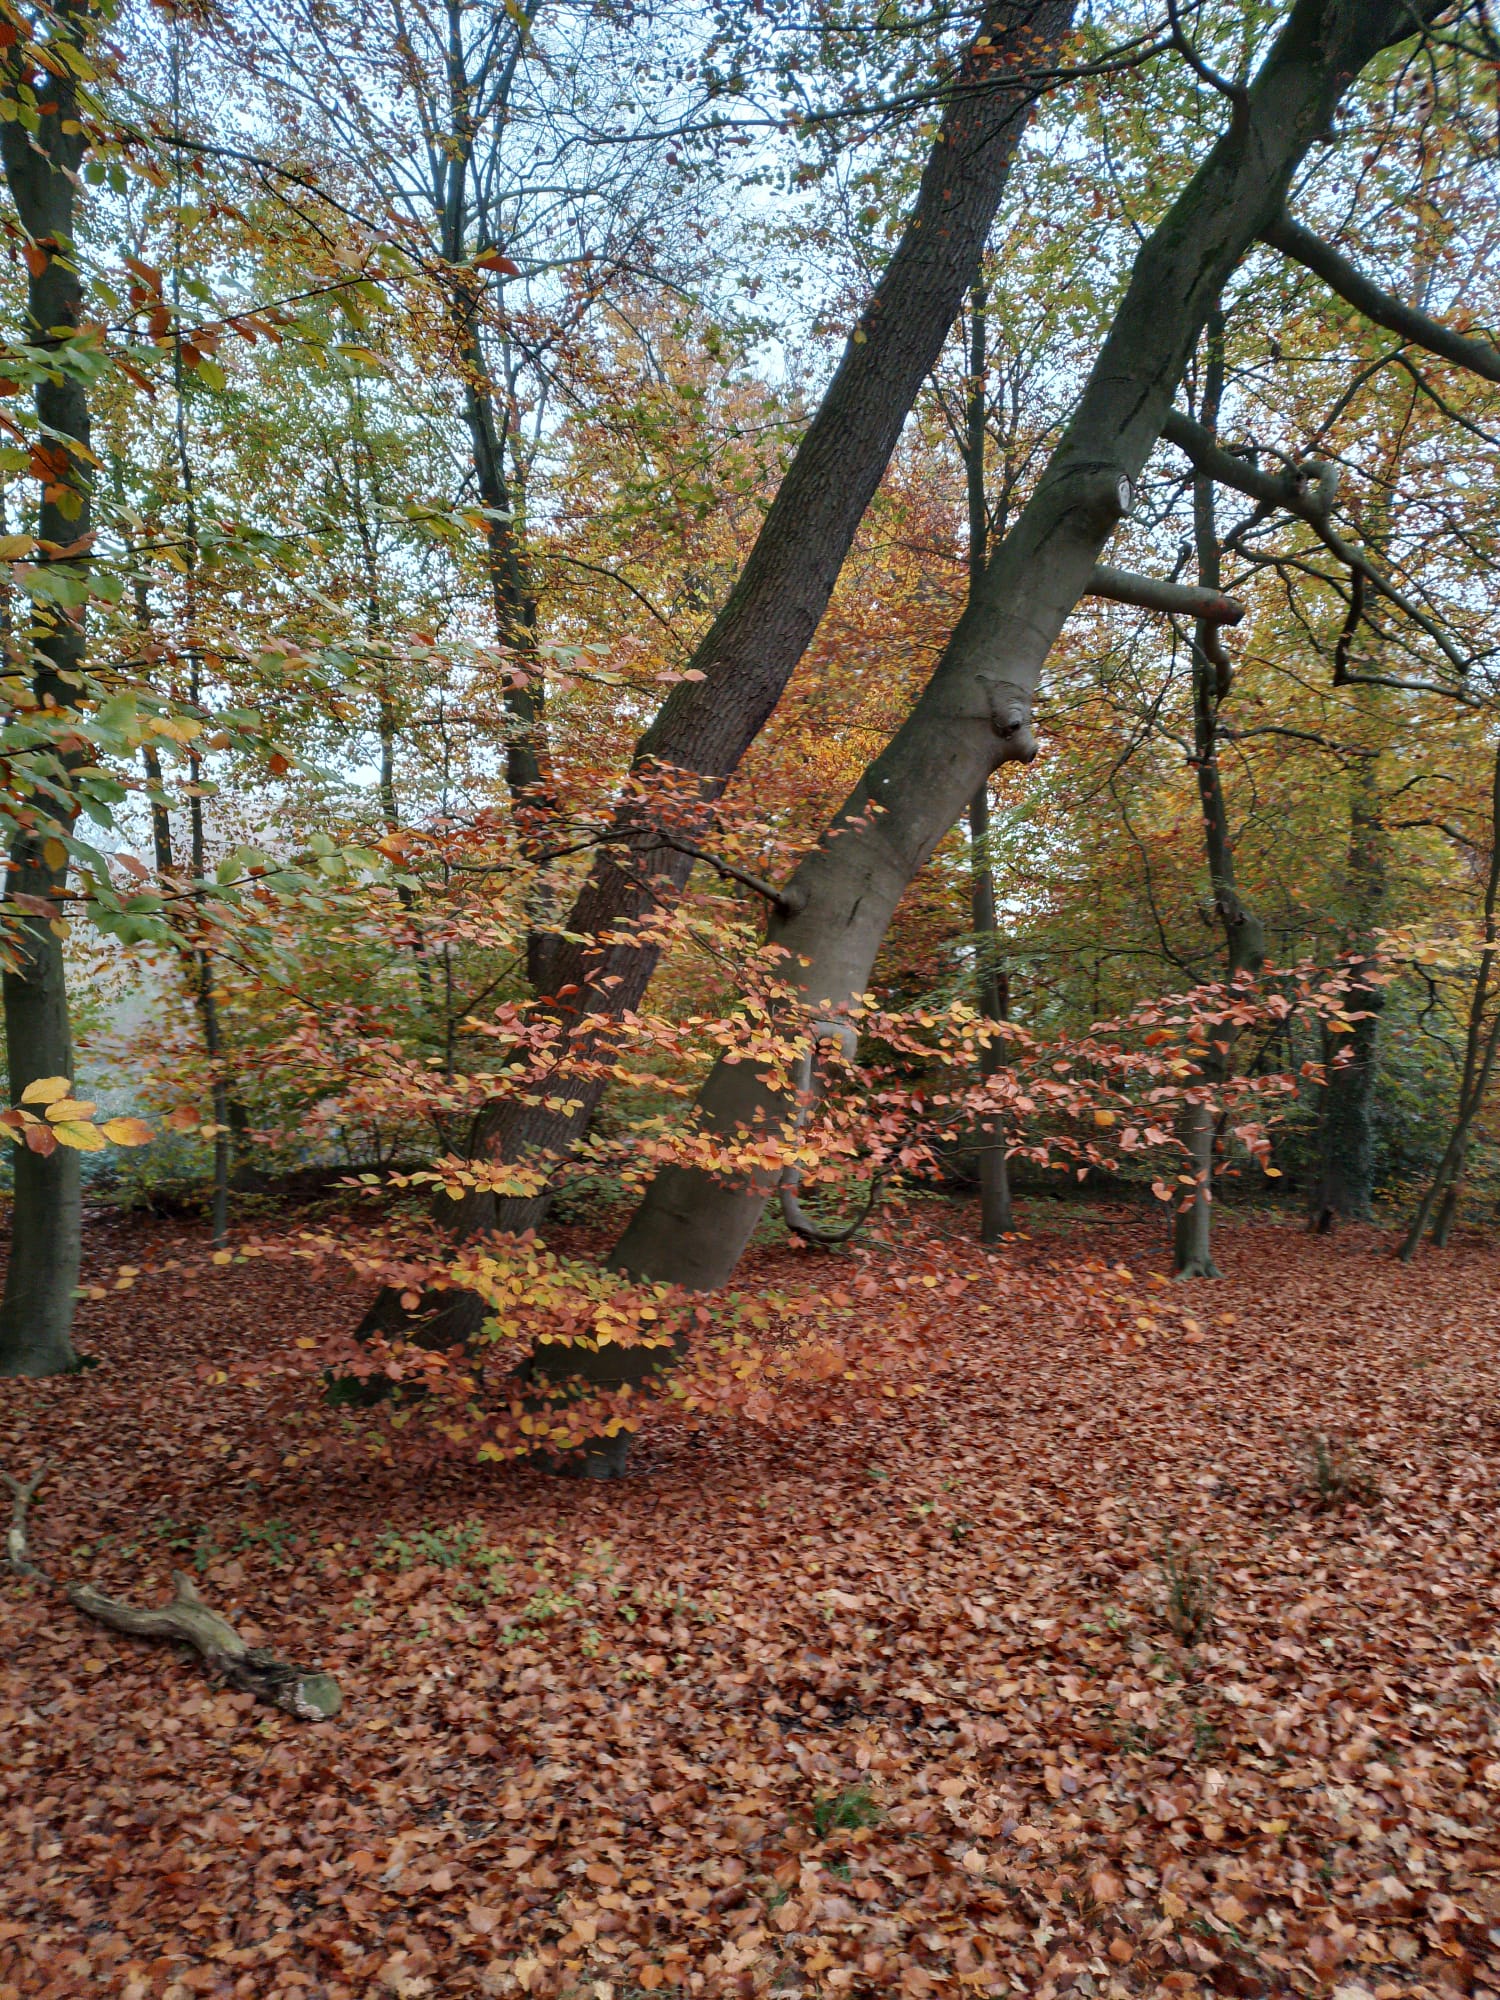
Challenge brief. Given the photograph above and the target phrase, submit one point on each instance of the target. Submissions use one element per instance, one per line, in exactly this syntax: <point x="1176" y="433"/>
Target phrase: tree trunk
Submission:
<point x="41" y="168"/>
<point x="1346" y="1130"/>
<point x="1479" y="1058"/>
<point x="996" y="1215"/>
<point x="992" y="986"/>
<point x="1244" y="936"/>
<point x="747" y="657"/>
<point x="975" y="711"/>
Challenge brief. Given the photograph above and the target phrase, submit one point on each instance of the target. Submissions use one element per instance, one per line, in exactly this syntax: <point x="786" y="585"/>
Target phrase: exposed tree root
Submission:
<point x="312" y="1697"/>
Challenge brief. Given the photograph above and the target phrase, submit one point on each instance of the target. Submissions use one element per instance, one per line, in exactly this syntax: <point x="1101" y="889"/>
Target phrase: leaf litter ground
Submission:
<point x="1085" y="1672"/>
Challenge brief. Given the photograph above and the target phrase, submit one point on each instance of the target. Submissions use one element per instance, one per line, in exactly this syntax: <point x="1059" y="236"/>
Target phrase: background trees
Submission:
<point x="568" y="490"/>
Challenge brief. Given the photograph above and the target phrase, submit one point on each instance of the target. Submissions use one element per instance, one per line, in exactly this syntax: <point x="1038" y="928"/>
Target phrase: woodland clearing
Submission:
<point x="1079" y="1672"/>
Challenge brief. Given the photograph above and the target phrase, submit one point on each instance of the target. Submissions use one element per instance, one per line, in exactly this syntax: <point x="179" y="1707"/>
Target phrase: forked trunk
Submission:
<point x="745" y="660"/>
<point x="975" y="712"/>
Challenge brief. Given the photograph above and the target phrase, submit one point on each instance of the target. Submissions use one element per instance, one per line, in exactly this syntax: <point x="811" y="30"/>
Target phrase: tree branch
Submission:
<point x="1351" y="284"/>
<point x="253" y="1670"/>
<point x="1303" y="491"/>
<point x="1188" y="600"/>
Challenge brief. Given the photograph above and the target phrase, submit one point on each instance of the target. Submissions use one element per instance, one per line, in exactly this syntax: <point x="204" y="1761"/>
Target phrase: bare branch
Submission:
<point x="22" y="1493"/>
<point x="1188" y="600"/>
<point x="1351" y="284"/>
<point x="313" y="1697"/>
<point x="1301" y="491"/>
<point x="252" y="1669"/>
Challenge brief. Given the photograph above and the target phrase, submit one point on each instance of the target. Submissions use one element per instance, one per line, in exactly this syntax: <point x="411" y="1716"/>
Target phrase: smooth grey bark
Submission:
<point x="41" y="168"/>
<point x="976" y="710"/>
<point x="758" y="638"/>
<point x="1345" y="1185"/>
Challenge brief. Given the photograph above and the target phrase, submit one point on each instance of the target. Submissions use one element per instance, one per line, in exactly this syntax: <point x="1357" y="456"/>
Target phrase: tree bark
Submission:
<point x="1346" y="1132"/>
<point x="749" y="653"/>
<point x="975" y="712"/>
<point x="1244" y="936"/>
<point x="41" y="169"/>
<point x="992" y="984"/>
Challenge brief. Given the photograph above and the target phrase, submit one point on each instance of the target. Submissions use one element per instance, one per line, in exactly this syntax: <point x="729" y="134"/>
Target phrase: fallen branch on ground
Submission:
<point x="312" y="1697"/>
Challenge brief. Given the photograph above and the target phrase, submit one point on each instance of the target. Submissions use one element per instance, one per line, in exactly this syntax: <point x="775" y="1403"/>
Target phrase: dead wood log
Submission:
<point x="312" y="1697"/>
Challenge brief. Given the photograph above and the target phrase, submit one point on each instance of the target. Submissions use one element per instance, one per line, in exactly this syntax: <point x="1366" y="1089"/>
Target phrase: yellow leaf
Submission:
<point x="223" y="1257"/>
<point x="54" y="854"/>
<point x="13" y="547"/>
<point x="85" y="1138"/>
<point x="46" y="1090"/>
<point x="1104" y="1118"/>
<point x="127" y="1131"/>
<point x="69" y="1110"/>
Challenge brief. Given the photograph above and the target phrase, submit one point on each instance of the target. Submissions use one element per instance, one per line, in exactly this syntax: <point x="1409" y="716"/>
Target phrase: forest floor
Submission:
<point x="1059" y="1678"/>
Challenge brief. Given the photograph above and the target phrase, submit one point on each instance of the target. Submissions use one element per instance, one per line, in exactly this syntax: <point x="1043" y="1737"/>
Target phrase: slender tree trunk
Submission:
<point x="1479" y="1057"/>
<point x="204" y="993"/>
<point x="1346" y="1125"/>
<point x="41" y="168"/>
<point x="996" y="1214"/>
<point x="747" y="657"/>
<point x="1244" y="936"/>
<point x="975" y="712"/>
<point x="992" y="984"/>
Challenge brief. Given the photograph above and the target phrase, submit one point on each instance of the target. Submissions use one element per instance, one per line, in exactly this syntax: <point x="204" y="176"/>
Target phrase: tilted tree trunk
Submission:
<point x="1244" y="936"/>
<point x="41" y="168"/>
<point x="975" y="712"/>
<point x="750" y="652"/>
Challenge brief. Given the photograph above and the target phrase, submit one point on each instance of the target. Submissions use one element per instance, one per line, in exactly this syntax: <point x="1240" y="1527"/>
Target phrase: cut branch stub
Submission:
<point x="251" y="1669"/>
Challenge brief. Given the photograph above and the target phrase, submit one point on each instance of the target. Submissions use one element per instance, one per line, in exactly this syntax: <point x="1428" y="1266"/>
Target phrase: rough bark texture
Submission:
<point x="759" y="636"/>
<point x="36" y="1316"/>
<point x="975" y="711"/>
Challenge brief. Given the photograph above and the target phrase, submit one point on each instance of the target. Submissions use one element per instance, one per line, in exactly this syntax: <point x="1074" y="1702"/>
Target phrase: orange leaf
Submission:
<point x="127" y="1131"/>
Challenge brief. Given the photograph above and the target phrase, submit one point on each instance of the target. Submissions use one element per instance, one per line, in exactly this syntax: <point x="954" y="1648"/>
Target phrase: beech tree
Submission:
<point x="976" y="711"/>
<point x="740" y="668"/>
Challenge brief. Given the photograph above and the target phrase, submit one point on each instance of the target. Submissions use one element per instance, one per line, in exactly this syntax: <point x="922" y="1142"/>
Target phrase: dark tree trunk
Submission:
<point x="1244" y="937"/>
<point x="975" y="712"/>
<point x="41" y="168"/>
<point x="992" y="984"/>
<point x="1346" y="1125"/>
